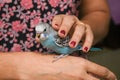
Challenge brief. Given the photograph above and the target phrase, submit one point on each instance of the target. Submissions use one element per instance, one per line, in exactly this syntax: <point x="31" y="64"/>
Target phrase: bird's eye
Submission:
<point x="44" y="29"/>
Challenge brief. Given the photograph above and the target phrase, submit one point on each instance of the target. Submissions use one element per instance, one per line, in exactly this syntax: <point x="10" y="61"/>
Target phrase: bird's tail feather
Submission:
<point x="91" y="49"/>
<point x="95" y="49"/>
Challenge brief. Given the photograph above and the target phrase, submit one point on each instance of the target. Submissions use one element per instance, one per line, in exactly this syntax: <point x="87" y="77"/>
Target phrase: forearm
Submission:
<point x="99" y="25"/>
<point x="17" y="65"/>
<point x="97" y="15"/>
<point x="34" y="66"/>
<point x="8" y="69"/>
<point x="23" y="65"/>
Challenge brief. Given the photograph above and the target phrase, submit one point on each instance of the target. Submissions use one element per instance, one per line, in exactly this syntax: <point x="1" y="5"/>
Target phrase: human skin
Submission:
<point x="30" y="66"/>
<point x="90" y="28"/>
<point x="35" y="66"/>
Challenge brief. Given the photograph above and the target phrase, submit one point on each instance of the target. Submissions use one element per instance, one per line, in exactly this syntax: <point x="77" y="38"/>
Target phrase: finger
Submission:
<point x="77" y="35"/>
<point x="88" y="39"/>
<point x="56" y="22"/>
<point x="89" y="77"/>
<point x="67" y="23"/>
<point x="100" y="71"/>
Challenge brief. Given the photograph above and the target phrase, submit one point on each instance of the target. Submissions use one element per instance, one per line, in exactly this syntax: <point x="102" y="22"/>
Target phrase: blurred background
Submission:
<point x="110" y="55"/>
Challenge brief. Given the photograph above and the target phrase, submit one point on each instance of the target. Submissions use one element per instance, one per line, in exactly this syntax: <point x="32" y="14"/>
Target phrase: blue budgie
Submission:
<point x="49" y="38"/>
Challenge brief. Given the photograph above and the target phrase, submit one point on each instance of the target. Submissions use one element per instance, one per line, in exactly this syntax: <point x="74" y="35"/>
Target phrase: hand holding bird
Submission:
<point x="49" y="38"/>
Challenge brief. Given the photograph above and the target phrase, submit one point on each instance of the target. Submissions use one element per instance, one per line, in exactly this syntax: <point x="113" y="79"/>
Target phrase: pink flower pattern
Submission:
<point x="16" y="47"/>
<point x="19" y="17"/>
<point x="7" y="1"/>
<point x="26" y="4"/>
<point x="17" y="26"/>
<point x="54" y="3"/>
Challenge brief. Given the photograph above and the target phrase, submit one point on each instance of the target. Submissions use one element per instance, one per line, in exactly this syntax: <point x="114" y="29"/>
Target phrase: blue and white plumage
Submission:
<point x="49" y="38"/>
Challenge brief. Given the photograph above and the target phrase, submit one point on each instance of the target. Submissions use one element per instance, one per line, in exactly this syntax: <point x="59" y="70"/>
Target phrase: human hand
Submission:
<point x="32" y="66"/>
<point x="74" y="68"/>
<point x="38" y="67"/>
<point x="69" y="24"/>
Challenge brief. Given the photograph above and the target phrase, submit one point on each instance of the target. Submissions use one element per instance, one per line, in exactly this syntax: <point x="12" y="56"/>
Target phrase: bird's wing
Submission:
<point x="61" y="42"/>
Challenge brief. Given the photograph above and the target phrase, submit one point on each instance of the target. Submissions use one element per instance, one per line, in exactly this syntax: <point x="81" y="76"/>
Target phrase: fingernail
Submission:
<point x="56" y="25"/>
<point x="73" y="43"/>
<point x="86" y="48"/>
<point x="62" y="32"/>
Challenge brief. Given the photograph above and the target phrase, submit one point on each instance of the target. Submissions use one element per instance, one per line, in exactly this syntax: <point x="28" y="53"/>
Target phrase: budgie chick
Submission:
<point x="49" y="38"/>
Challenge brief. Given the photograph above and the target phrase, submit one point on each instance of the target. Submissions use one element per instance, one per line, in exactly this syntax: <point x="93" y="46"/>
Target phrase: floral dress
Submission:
<point x="19" y="17"/>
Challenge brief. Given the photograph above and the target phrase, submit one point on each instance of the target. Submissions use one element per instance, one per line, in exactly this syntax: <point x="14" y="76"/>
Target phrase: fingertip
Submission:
<point x="85" y="49"/>
<point x="112" y="76"/>
<point x="87" y="44"/>
<point x="62" y="33"/>
<point x="72" y="44"/>
<point x="55" y="26"/>
<point x="56" y="22"/>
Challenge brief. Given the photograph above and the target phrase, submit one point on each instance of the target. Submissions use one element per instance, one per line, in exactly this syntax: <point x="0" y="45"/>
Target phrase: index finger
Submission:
<point x="57" y="21"/>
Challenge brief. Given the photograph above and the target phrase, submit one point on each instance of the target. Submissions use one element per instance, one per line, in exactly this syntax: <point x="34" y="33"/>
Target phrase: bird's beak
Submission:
<point x="37" y="38"/>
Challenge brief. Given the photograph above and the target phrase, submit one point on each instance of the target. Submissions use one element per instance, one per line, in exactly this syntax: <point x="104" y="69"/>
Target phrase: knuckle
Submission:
<point x="71" y="18"/>
<point x="92" y="37"/>
<point x="87" y="25"/>
<point x="57" y="16"/>
<point x="67" y="25"/>
<point x="81" y="25"/>
<point x="89" y="40"/>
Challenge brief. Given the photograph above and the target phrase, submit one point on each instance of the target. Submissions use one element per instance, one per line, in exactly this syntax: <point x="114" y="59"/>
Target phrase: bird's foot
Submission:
<point x="59" y="57"/>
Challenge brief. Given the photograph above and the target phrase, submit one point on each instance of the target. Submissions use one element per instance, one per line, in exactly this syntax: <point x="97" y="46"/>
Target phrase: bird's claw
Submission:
<point x="59" y="57"/>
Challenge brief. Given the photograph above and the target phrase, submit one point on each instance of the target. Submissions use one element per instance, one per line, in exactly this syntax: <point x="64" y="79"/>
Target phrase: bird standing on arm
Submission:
<point x="49" y="38"/>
